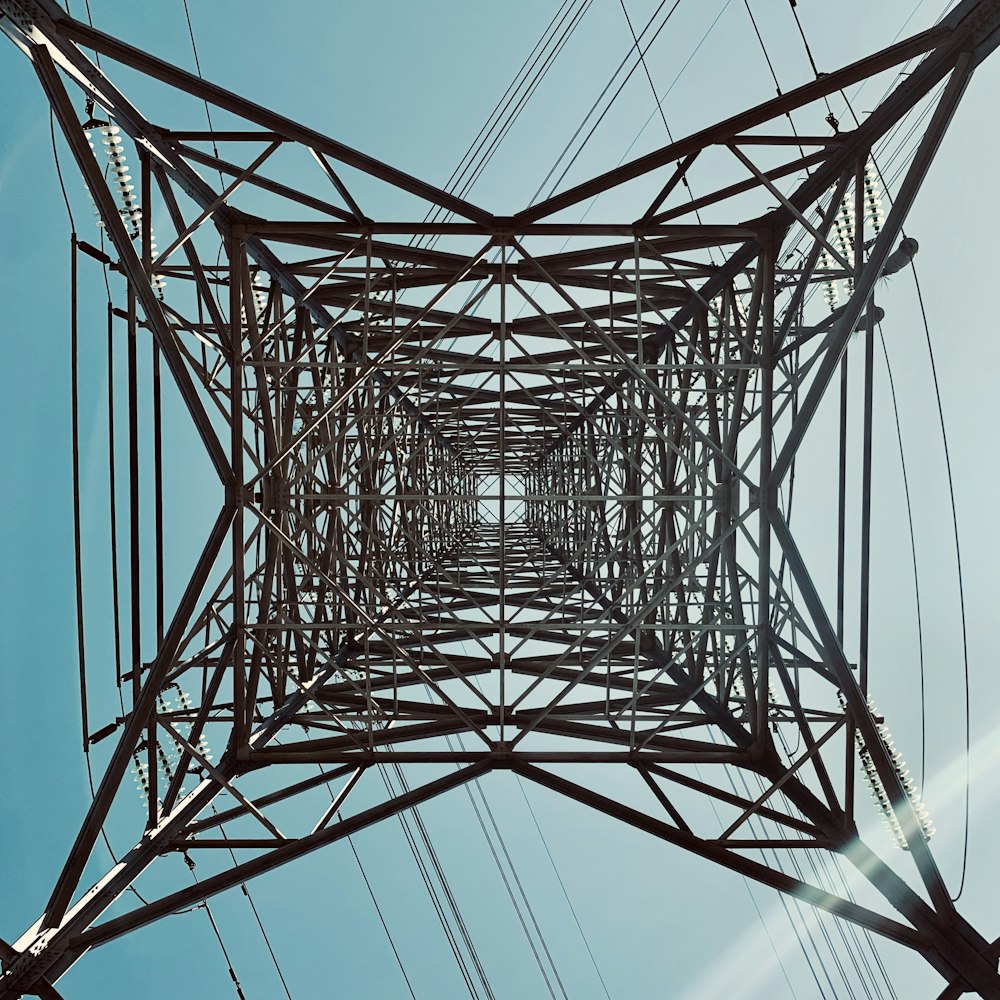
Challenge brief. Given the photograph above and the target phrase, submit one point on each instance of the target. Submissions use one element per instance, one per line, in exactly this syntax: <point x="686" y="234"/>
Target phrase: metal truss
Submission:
<point x="500" y="492"/>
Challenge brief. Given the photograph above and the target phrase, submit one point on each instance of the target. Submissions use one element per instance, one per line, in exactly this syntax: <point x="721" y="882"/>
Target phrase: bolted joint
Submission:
<point x="725" y="497"/>
<point x="503" y="230"/>
<point x="26" y="972"/>
<point x="766" y="499"/>
<point x="275" y="494"/>
<point x="23" y="13"/>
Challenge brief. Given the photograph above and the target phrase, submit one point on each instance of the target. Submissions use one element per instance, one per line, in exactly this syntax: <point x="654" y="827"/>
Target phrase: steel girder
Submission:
<point x="500" y="492"/>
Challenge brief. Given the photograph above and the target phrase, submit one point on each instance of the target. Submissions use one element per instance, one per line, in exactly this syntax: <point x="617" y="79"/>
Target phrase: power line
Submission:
<point x="679" y="74"/>
<point x="660" y="99"/>
<point x="866" y="932"/>
<point x="781" y="899"/>
<point x="77" y="533"/>
<point x="502" y="126"/>
<point x="513" y="899"/>
<point x="374" y="899"/>
<point x="659" y="102"/>
<point x="763" y="47"/>
<point x="257" y="918"/>
<point x="802" y="921"/>
<point x="830" y="117"/>
<point x="378" y="910"/>
<point x="951" y="485"/>
<point x="636" y="47"/>
<point x="267" y="940"/>
<point x="562" y="886"/>
<point x="215" y="929"/>
<point x="113" y="506"/>
<point x="913" y="555"/>
<point x="770" y="939"/>
<point x="552" y="862"/>
<point x="197" y="66"/>
<point x="517" y="881"/>
<point x="961" y="583"/>
<point x="642" y="59"/>
<point x="770" y="66"/>
<point x="59" y="174"/>
<point x="75" y="449"/>
<point x="445" y="885"/>
<point x="436" y="901"/>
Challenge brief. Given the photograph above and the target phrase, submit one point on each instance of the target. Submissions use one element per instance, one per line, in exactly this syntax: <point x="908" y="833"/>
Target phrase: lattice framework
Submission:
<point x="500" y="492"/>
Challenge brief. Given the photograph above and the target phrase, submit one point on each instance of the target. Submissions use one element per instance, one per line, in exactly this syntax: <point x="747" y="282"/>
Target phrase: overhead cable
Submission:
<point x="378" y="910"/>
<point x="961" y="585"/>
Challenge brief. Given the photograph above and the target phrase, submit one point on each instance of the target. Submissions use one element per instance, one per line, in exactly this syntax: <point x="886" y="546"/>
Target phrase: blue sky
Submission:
<point x="411" y="84"/>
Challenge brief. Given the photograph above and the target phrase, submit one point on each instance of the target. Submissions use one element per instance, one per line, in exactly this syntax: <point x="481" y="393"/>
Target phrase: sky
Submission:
<point x="411" y="84"/>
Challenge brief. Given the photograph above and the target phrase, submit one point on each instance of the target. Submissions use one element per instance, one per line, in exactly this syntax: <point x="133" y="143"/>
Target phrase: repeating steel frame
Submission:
<point x="499" y="506"/>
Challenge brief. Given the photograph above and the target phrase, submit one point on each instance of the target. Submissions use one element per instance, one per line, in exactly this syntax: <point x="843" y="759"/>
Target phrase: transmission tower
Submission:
<point x="507" y="501"/>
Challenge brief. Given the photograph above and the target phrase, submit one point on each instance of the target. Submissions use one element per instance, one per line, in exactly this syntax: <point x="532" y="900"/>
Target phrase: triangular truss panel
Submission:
<point x="500" y="492"/>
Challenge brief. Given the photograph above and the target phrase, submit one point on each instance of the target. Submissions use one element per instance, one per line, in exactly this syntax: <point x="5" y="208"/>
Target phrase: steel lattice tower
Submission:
<point x="507" y="502"/>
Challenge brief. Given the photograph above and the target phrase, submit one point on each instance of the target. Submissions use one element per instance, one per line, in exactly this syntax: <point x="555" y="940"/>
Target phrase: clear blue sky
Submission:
<point x="411" y="83"/>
